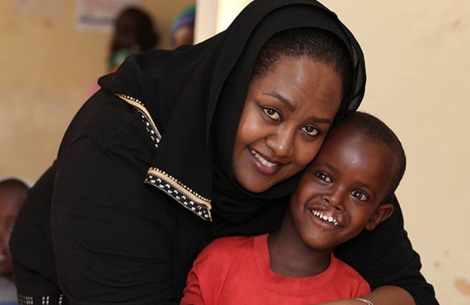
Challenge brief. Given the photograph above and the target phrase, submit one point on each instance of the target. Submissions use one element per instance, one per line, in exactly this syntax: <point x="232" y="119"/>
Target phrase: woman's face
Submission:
<point x="287" y="113"/>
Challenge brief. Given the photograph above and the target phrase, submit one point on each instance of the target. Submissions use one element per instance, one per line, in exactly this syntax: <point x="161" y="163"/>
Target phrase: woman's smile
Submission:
<point x="265" y="166"/>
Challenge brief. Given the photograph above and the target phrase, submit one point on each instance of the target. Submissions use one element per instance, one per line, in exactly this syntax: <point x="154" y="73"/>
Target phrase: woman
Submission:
<point x="197" y="124"/>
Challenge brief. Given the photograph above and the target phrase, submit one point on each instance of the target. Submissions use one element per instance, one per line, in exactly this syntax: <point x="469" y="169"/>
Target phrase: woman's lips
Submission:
<point x="262" y="164"/>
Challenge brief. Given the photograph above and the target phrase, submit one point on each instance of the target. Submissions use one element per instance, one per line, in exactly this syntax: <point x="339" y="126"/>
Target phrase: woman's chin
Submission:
<point x="257" y="185"/>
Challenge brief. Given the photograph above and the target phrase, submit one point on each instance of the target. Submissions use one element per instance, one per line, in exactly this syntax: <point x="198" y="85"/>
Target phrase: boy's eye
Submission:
<point x="359" y="195"/>
<point x="273" y="114"/>
<point x="323" y="177"/>
<point x="311" y="131"/>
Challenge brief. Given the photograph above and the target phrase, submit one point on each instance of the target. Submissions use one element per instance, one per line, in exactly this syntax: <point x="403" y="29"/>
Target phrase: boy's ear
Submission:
<point x="383" y="212"/>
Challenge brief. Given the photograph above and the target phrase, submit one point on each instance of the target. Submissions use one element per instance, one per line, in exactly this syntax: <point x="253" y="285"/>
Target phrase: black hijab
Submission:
<point x="196" y="95"/>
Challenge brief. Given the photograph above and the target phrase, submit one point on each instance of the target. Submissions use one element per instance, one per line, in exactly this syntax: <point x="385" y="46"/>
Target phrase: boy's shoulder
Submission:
<point x="347" y="276"/>
<point x="229" y="249"/>
<point x="229" y="244"/>
<point x="223" y="255"/>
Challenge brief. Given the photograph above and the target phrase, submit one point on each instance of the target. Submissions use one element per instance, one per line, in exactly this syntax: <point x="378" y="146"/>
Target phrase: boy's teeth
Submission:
<point x="325" y="218"/>
<point x="263" y="160"/>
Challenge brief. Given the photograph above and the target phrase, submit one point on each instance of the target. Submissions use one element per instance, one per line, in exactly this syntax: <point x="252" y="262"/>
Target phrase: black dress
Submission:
<point x="142" y="181"/>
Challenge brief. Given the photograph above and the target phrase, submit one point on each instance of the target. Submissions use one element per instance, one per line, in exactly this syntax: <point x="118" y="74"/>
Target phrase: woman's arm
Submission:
<point x="112" y="235"/>
<point x="389" y="295"/>
<point x="385" y="295"/>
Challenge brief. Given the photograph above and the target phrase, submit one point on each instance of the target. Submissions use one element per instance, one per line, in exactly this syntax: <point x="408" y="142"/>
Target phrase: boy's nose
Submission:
<point x="334" y="200"/>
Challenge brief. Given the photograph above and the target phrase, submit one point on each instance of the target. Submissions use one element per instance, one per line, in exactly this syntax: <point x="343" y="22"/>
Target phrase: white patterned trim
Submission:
<point x="41" y="300"/>
<point x="150" y="126"/>
<point x="185" y="196"/>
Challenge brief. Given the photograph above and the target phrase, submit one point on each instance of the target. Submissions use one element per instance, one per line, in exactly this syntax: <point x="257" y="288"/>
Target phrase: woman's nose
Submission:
<point x="282" y="142"/>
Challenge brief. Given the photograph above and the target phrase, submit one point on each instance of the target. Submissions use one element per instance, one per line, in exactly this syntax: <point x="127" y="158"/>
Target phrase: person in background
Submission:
<point x="13" y="192"/>
<point x="134" y="32"/>
<point x="182" y="29"/>
<point x="347" y="188"/>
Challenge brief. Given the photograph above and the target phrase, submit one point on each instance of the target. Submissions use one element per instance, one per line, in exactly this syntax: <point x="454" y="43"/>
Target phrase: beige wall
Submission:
<point x="418" y="62"/>
<point x="47" y="68"/>
<point x="419" y="76"/>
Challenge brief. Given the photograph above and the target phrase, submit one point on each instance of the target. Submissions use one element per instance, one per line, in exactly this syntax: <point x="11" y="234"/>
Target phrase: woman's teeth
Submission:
<point x="329" y="219"/>
<point x="262" y="160"/>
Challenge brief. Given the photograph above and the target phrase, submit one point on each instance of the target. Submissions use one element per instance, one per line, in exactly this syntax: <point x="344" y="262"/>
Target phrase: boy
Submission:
<point x="347" y="188"/>
<point x="12" y="195"/>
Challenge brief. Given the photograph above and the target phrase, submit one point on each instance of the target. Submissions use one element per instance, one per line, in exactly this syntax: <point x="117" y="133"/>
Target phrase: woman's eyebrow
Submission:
<point x="283" y="99"/>
<point x="291" y="107"/>
<point x="319" y="120"/>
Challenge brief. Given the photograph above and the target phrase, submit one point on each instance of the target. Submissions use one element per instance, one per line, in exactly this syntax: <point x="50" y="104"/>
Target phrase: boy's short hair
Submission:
<point x="15" y="184"/>
<point x="378" y="131"/>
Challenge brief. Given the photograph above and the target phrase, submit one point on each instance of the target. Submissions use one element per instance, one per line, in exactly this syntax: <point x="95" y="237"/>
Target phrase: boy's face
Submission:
<point x="9" y="206"/>
<point x="341" y="191"/>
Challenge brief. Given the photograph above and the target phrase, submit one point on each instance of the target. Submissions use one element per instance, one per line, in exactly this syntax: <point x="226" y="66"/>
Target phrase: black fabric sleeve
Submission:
<point x="30" y="241"/>
<point x="385" y="257"/>
<point x="112" y="235"/>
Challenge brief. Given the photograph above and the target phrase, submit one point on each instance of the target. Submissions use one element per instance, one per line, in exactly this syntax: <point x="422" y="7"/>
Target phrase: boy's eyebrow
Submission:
<point x="360" y="183"/>
<point x="367" y="186"/>
<point x="325" y="164"/>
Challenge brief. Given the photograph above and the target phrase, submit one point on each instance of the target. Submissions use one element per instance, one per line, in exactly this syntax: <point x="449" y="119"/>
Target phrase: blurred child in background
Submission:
<point x="13" y="192"/>
<point x="134" y="32"/>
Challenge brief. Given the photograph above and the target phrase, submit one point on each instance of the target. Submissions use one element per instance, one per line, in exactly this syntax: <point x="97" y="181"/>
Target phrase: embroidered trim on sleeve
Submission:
<point x="185" y="196"/>
<point x="146" y="118"/>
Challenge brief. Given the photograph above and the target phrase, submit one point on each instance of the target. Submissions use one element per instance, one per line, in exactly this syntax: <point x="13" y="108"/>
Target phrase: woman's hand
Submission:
<point x="385" y="295"/>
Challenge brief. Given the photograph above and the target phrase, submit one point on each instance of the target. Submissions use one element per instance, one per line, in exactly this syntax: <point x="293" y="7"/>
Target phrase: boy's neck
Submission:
<point x="289" y="256"/>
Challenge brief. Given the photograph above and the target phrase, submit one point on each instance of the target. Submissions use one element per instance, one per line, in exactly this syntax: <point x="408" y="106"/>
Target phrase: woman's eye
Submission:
<point x="273" y="114"/>
<point x="323" y="177"/>
<point x="311" y="131"/>
<point x="359" y="195"/>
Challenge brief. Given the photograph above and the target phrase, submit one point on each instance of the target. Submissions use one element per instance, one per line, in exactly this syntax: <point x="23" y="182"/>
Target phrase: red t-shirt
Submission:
<point x="236" y="270"/>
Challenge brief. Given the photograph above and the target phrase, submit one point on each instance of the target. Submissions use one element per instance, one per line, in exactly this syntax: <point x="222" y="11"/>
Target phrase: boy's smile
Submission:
<point x="342" y="190"/>
<point x="326" y="217"/>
